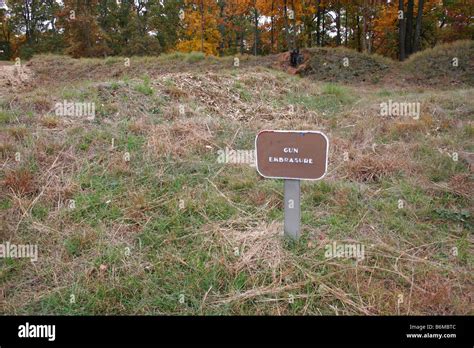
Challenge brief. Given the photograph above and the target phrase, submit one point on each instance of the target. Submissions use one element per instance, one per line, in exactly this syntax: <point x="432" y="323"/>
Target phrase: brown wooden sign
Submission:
<point x="292" y="154"/>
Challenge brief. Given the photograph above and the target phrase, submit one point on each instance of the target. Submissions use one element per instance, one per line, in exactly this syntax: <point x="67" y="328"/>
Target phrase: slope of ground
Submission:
<point x="52" y="69"/>
<point x="133" y="213"/>
<point x="445" y="65"/>
<point x="344" y="65"/>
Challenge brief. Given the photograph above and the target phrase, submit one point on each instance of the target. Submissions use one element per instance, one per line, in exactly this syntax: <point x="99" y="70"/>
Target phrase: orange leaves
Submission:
<point x="227" y="27"/>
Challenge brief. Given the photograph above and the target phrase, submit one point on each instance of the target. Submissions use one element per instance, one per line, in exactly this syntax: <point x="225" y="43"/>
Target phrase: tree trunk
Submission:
<point x="308" y="25"/>
<point x="242" y="33"/>
<point x="272" y="30"/>
<point x="338" y="24"/>
<point x="357" y="38"/>
<point x="401" y="31"/>
<point x="369" y="43"/>
<point x="293" y="37"/>
<point x="202" y="25"/>
<point x="27" y="18"/>
<point x="417" y="41"/>
<point x="364" y="27"/>
<point x="221" y="28"/>
<point x="318" y="25"/>
<point x="346" y="27"/>
<point x="409" y="28"/>
<point x="256" y="31"/>
<point x="323" y="30"/>
<point x="287" y="34"/>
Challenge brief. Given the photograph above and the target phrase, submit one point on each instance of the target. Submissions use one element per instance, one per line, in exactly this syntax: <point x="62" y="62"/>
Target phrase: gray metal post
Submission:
<point x="292" y="208"/>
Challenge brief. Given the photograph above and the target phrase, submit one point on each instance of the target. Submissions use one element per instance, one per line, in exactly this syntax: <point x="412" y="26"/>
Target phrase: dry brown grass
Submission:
<point x="175" y="92"/>
<point x="138" y="126"/>
<point x="19" y="132"/>
<point x="49" y="121"/>
<point x="7" y="148"/>
<point x="256" y="246"/>
<point x="178" y="139"/>
<point x="462" y="185"/>
<point x="42" y="104"/>
<point x="372" y="168"/>
<point x="405" y="129"/>
<point x="439" y="288"/>
<point x="20" y="181"/>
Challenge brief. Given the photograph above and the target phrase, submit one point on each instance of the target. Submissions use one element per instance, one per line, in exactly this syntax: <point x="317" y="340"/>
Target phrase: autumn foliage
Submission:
<point x="95" y="28"/>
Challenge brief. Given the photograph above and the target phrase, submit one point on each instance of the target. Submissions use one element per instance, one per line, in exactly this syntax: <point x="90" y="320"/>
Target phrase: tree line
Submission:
<point x="99" y="28"/>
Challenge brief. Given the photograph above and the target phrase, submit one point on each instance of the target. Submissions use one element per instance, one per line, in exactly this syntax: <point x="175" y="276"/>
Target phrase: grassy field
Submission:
<point x="133" y="214"/>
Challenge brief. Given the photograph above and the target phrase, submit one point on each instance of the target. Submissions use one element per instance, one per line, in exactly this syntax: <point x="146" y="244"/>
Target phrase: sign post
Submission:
<point x="292" y="208"/>
<point x="293" y="156"/>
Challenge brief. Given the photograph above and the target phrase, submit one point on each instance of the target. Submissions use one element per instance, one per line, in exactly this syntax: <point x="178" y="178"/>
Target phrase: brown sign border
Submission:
<point x="292" y="131"/>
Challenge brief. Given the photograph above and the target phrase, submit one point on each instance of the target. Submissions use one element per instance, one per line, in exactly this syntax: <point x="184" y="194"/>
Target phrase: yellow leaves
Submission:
<point x="194" y="45"/>
<point x="200" y="27"/>
<point x="239" y="7"/>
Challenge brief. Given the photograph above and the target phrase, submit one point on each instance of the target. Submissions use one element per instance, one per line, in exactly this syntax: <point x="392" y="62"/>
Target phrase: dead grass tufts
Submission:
<point x="138" y="127"/>
<point x="119" y="164"/>
<point x="405" y="129"/>
<point x="175" y="93"/>
<point x="21" y="182"/>
<point x="41" y="104"/>
<point x="178" y="139"/>
<point x="6" y="146"/>
<point x="462" y="185"/>
<point x="434" y="299"/>
<point x="50" y="121"/>
<point x="258" y="246"/>
<point x="372" y="168"/>
<point x="19" y="132"/>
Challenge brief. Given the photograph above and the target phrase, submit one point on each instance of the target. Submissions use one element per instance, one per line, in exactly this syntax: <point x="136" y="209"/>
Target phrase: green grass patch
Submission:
<point x="194" y="57"/>
<point x="332" y="99"/>
<point x="144" y="87"/>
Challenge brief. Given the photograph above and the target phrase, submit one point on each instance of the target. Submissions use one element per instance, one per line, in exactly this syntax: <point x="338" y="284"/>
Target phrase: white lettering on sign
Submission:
<point x="290" y="160"/>
<point x="290" y="150"/>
